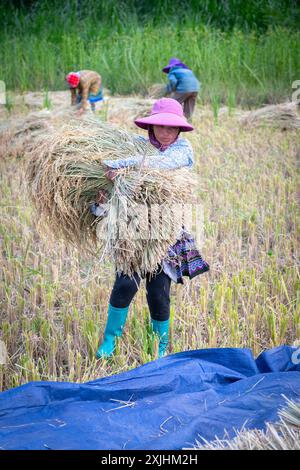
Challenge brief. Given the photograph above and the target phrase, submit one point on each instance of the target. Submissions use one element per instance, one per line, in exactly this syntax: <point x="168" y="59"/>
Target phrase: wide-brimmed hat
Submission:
<point x="73" y="79"/>
<point x="174" y="62"/>
<point x="165" y="112"/>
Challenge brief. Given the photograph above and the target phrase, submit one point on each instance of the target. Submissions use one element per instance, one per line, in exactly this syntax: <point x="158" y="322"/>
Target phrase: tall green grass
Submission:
<point x="36" y="16"/>
<point x="247" y="55"/>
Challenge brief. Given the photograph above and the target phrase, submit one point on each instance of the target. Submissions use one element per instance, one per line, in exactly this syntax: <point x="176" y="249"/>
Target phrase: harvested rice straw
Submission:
<point x="19" y="136"/>
<point x="283" y="435"/>
<point x="157" y="90"/>
<point x="17" y="139"/>
<point x="123" y="112"/>
<point x="146" y="214"/>
<point x="66" y="171"/>
<point x="284" y="116"/>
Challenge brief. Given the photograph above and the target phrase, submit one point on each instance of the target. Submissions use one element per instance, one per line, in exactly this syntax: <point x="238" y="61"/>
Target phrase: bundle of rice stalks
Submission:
<point x="283" y="435"/>
<point x="157" y="90"/>
<point x="65" y="173"/>
<point x="283" y="116"/>
<point x="145" y="215"/>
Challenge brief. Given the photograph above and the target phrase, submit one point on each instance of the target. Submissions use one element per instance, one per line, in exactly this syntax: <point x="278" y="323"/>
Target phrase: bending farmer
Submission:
<point x="183" y="85"/>
<point x="85" y="86"/>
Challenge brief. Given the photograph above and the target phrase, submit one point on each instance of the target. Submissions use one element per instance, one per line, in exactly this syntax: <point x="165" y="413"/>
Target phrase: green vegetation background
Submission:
<point x="244" y="52"/>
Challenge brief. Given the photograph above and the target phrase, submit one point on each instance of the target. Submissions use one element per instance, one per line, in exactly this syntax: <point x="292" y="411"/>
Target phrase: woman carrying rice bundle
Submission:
<point x="164" y="126"/>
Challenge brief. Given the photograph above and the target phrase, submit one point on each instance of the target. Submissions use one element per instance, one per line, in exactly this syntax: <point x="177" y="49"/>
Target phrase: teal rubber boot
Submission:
<point x="161" y="328"/>
<point x="114" y="328"/>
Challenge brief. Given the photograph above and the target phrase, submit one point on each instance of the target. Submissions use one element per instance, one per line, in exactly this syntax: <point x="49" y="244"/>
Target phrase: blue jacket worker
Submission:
<point x="183" y="85"/>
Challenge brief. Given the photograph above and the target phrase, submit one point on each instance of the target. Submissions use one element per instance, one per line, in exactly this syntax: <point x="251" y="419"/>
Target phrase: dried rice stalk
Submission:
<point x="19" y="136"/>
<point x="157" y="90"/>
<point x="123" y="112"/>
<point x="66" y="171"/>
<point x="284" y="116"/>
<point x="144" y="236"/>
<point x="283" y="435"/>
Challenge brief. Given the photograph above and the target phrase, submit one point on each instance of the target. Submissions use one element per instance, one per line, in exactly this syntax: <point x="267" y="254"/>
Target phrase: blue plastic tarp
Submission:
<point x="165" y="404"/>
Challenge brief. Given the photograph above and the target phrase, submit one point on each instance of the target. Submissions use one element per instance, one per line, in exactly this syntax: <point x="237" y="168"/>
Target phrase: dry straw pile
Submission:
<point x="157" y="90"/>
<point x="18" y="136"/>
<point x="66" y="171"/>
<point x="283" y="116"/>
<point x="283" y="435"/>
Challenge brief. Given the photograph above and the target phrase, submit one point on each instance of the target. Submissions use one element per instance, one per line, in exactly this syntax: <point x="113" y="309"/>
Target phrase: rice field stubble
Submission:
<point x="54" y="299"/>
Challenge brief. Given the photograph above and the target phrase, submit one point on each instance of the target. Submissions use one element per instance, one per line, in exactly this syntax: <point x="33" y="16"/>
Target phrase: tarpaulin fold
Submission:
<point x="165" y="404"/>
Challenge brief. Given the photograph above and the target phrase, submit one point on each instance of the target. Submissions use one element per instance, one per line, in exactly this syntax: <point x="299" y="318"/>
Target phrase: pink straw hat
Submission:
<point x="165" y="112"/>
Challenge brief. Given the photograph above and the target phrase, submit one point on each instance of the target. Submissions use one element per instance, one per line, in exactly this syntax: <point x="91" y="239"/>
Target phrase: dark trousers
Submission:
<point x="187" y="100"/>
<point x="157" y="292"/>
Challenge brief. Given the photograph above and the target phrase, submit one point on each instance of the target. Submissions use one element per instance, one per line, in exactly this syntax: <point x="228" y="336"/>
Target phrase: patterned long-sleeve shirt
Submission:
<point x="177" y="155"/>
<point x="90" y="82"/>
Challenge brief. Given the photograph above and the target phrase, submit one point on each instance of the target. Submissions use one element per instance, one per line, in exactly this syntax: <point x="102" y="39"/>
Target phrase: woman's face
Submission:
<point x="165" y="134"/>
